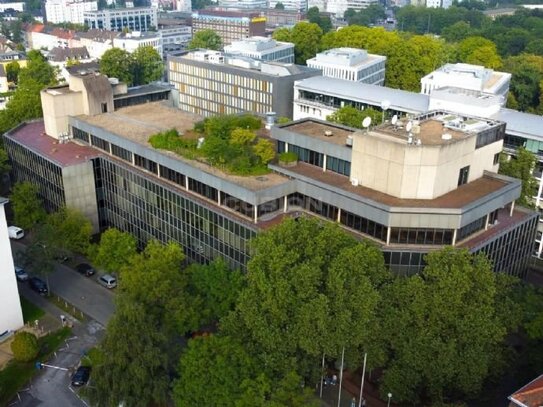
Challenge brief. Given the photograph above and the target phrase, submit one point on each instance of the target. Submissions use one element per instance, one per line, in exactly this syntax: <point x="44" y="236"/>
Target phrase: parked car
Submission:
<point x="21" y="274"/>
<point x="38" y="285"/>
<point x="108" y="281"/>
<point x="15" y="232"/>
<point x="81" y="376"/>
<point x="85" y="269"/>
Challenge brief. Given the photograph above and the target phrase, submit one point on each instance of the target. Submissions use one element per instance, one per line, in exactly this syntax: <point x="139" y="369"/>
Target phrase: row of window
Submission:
<point x="305" y="155"/>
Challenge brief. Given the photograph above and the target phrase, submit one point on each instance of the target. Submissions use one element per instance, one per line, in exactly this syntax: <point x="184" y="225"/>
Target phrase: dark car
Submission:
<point x="21" y="274"/>
<point x="85" y="269"/>
<point x="38" y="285"/>
<point x="81" y="376"/>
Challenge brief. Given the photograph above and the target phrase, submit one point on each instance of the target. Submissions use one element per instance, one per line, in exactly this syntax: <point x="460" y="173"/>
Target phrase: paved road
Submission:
<point x="83" y="292"/>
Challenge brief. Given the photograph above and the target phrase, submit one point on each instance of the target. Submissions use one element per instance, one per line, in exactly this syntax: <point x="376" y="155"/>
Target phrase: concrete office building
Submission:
<point x="351" y="64"/>
<point x="229" y="25"/>
<point x="175" y="37"/>
<point x="68" y="11"/>
<point x="468" y="77"/>
<point x="133" y="19"/>
<point x="136" y="39"/>
<point x="243" y="4"/>
<point x="11" y="317"/>
<point x="284" y="18"/>
<point x="262" y="48"/>
<point x="404" y="209"/>
<point x="211" y="83"/>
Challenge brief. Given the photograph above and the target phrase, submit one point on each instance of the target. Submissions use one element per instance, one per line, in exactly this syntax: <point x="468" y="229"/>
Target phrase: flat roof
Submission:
<point x="138" y="123"/>
<point x="430" y="132"/>
<point x="318" y="129"/>
<point x="143" y="90"/>
<point x="400" y="100"/>
<point x="32" y="135"/>
<point x="520" y="123"/>
<point x="456" y="199"/>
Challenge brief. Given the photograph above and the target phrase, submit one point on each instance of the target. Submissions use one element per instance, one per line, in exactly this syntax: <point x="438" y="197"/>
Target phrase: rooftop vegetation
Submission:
<point x="226" y="142"/>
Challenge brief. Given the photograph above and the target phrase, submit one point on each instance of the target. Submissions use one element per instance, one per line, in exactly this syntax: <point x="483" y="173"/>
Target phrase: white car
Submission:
<point x="21" y="274"/>
<point x="15" y="232"/>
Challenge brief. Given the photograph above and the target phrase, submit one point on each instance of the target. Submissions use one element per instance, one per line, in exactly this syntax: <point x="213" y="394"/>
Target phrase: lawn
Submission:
<point x="17" y="374"/>
<point x="30" y="312"/>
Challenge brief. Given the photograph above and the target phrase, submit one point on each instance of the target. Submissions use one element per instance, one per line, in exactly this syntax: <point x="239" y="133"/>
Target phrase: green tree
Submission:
<point x="114" y="251"/>
<point x="148" y="65"/>
<point x="27" y="205"/>
<point x="352" y="117"/>
<point x="207" y="39"/>
<point x="67" y="231"/>
<point x="441" y="328"/>
<point x="215" y="289"/>
<point x="282" y="34"/>
<point x="279" y="6"/>
<point x="5" y="168"/>
<point x="323" y="21"/>
<point x="303" y="277"/>
<point x="25" y="346"/>
<point x="521" y="166"/>
<point x="38" y="70"/>
<point x="118" y="63"/>
<point x="457" y="32"/>
<point x="306" y="38"/>
<point x="242" y="137"/>
<point x="217" y="381"/>
<point x="479" y="50"/>
<point x="527" y="73"/>
<point x="265" y="150"/>
<point x="12" y="71"/>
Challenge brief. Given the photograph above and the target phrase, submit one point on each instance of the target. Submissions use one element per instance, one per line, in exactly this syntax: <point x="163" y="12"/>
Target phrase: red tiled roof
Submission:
<point x="32" y="135"/>
<point x="36" y="28"/>
<point x="530" y="395"/>
<point x="62" y="33"/>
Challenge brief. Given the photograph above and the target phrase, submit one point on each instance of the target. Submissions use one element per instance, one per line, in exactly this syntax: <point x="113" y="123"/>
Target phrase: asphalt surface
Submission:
<point x="51" y="387"/>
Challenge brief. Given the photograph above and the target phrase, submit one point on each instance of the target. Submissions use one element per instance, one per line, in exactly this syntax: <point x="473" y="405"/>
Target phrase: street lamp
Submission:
<point x="389" y="397"/>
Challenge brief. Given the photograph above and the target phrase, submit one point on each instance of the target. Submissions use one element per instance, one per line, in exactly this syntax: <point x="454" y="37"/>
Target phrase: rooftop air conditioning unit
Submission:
<point x="354" y="182"/>
<point x="328" y="133"/>
<point x="349" y="141"/>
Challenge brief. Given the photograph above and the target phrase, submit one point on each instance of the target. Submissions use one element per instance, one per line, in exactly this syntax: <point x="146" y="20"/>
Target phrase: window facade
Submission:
<point x="463" y="176"/>
<point x="421" y="236"/>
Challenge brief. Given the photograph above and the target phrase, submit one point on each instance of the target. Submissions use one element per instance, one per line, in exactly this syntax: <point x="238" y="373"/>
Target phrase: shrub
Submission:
<point x="283" y="120"/>
<point x="25" y="346"/>
<point x="288" y="157"/>
<point x="171" y="140"/>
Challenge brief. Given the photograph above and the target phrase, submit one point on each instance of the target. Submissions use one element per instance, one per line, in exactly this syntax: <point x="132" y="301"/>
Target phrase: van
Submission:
<point x="15" y="233"/>
<point x="108" y="281"/>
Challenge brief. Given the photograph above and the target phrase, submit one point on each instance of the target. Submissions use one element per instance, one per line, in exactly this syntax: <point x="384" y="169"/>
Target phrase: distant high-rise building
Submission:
<point x="338" y="7"/>
<point x="296" y="5"/>
<point x="133" y="19"/>
<point x="263" y="48"/>
<point x="68" y="11"/>
<point x="439" y="3"/>
<point x="243" y="4"/>
<point x="183" y="5"/>
<point x="229" y="25"/>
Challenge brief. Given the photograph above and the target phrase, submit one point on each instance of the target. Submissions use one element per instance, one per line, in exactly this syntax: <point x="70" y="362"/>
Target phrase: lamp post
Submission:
<point x="389" y="397"/>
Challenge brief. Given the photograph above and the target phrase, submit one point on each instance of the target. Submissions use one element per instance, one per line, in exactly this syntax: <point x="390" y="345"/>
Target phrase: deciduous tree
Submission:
<point x="68" y="231"/>
<point x="207" y="39"/>
<point x="114" y="251"/>
<point x="521" y="166"/>
<point x="27" y="205"/>
<point x="4" y="163"/>
<point x="148" y="65"/>
<point x="353" y="117"/>
<point x="118" y="63"/>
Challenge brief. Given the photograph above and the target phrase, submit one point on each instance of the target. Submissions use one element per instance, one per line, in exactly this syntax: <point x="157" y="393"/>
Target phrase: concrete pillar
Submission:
<point x="389" y="230"/>
<point x="285" y="204"/>
<point x="186" y="183"/>
<point x="219" y="197"/>
<point x="324" y="163"/>
<point x="486" y="220"/>
<point x="539" y="191"/>
<point x="512" y="208"/>
<point x="338" y="215"/>
<point x="454" y="237"/>
<point x="286" y="147"/>
<point x="256" y="213"/>
<point x="158" y="170"/>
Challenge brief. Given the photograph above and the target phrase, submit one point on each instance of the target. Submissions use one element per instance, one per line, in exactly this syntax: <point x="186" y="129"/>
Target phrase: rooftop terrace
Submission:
<point x="327" y="132"/>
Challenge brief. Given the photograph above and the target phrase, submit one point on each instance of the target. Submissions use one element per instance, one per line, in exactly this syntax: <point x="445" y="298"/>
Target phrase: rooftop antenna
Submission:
<point x="366" y="123"/>
<point x="385" y="104"/>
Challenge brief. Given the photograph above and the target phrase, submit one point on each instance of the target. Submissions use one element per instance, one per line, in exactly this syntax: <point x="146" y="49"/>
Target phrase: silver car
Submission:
<point x="21" y="274"/>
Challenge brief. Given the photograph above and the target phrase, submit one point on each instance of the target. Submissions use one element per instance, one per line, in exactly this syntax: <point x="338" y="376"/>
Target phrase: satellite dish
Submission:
<point x="385" y="104"/>
<point x="366" y="122"/>
<point x="394" y="119"/>
<point x="409" y="126"/>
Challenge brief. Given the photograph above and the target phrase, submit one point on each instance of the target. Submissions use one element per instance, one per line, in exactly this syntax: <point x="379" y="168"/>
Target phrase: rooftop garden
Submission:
<point x="229" y="143"/>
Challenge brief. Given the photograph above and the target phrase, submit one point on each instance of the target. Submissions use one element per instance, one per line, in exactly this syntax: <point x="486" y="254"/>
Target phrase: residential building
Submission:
<point x="136" y="39"/>
<point x="95" y="40"/>
<point x="469" y="77"/>
<point x="262" y="48"/>
<point x="530" y="395"/>
<point x="439" y="3"/>
<point x="175" y="37"/>
<point x="229" y="25"/>
<point x="184" y="6"/>
<point x="352" y="64"/>
<point x="45" y="37"/>
<point x="133" y="19"/>
<point x="59" y="56"/>
<point x="243" y="4"/>
<point x="16" y="6"/>
<point x="442" y="190"/>
<point x="284" y="18"/>
<point x="338" y="7"/>
<point x="68" y="11"/>
<point x="11" y="317"/>
<point x="211" y="83"/>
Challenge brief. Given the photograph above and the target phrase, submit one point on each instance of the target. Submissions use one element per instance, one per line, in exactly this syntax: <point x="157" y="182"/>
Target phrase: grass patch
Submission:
<point x="17" y="374"/>
<point x="30" y="311"/>
<point x="66" y="307"/>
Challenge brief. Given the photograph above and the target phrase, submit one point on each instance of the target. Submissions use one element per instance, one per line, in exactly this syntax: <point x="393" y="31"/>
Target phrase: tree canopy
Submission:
<point x="521" y="166"/>
<point x="114" y="251"/>
<point x="207" y="39"/>
<point x="117" y="63"/>
<point x="27" y="205"/>
<point x="306" y="38"/>
<point x="350" y="116"/>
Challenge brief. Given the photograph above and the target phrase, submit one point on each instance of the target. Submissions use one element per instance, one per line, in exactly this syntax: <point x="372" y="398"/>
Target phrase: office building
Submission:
<point x="229" y="25"/>
<point x="262" y="48"/>
<point x="175" y="37"/>
<point x="68" y="11"/>
<point x="339" y="7"/>
<point x="439" y="3"/>
<point x="351" y="64"/>
<point x="243" y="4"/>
<point x="133" y="19"/>
<point x="409" y="192"/>
<point x="468" y="77"/>
<point x="11" y="317"/>
<point x="290" y="5"/>
<point x="211" y="83"/>
<point x="136" y="39"/>
<point x="284" y="18"/>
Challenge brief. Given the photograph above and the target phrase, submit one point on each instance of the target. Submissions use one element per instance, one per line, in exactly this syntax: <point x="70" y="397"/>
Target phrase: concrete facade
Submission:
<point x="80" y="192"/>
<point x="11" y="317"/>
<point x="263" y="48"/>
<point x="134" y="19"/>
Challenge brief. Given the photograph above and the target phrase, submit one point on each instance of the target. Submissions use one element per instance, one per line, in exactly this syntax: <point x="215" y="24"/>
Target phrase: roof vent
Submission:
<point x="354" y="182"/>
<point x="328" y="133"/>
<point x="349" y="141"/>
<point x="446" y="136"/>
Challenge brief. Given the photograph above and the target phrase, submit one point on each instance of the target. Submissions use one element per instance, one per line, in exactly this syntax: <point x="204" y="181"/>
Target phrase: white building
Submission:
<point x="244" y="4"/>
<point x="262" y="48"/>
<point x="96" y="41"/>
<point x="469" y="77"/>
<point x="338" y="7"/>
<point x="133" y="19"/>
<point x="68" y="11"/>
<point x="351" y="64"/>
<point x="183" y="5"/>
<point x="175" y="37"/>
<point x="11" y="317"/>
<point x="134" y="40"/>
<point x="439" y="3"/>
<point x="297" y="5"/>
<point x="17" y="6"/>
